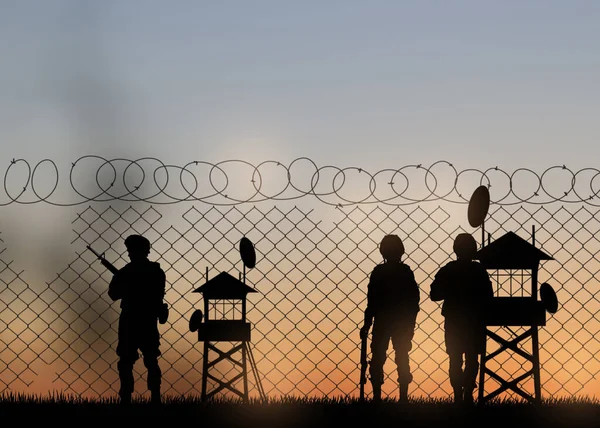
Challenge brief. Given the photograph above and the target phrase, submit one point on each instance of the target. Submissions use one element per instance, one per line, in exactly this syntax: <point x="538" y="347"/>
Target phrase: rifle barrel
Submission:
<point x="95" y="252"/>
<point x="363" y="366"/>
<point x="103" y="260"/>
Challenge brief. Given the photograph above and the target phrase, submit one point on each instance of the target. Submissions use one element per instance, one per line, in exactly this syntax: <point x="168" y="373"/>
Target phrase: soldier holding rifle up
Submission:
<point x="392" y="308"/>
<point x="140" y="285"/>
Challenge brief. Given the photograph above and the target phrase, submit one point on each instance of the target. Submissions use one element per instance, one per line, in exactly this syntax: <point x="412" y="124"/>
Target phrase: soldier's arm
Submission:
<point x="487" y="285"/>
<point x="159" y="281"/>
<point x="162" y="284"/>
<point x="371" y="297"/>
<point x="438" y="286"/>
<point x="116" y="286"/>
<point x="414" y="292"/>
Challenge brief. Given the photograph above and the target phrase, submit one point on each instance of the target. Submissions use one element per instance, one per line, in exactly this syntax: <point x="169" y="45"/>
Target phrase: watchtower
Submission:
<point x="508" y="258"/>
<point x="225" y="321"/>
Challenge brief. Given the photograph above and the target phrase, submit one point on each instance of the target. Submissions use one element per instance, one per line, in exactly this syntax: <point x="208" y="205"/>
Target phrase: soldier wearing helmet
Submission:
<point x="140" y="285"/>
<point x="464" y="285"/>
<point x="392" y="308"/>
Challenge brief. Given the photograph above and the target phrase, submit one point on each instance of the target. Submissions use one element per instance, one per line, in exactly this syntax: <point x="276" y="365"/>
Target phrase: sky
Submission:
<point x="374" y="84"/>
<point x="377" y="84"/>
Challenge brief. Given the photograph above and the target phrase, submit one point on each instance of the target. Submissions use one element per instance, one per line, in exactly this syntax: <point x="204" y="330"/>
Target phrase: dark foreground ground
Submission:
<point x="292" y="412"/>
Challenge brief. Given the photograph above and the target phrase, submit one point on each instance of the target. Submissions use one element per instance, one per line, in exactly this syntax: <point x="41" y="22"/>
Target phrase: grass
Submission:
<point x="295" y="411"/>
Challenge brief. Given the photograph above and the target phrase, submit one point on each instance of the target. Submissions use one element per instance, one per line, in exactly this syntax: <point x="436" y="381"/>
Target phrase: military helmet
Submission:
<point x="137" y="243"/>
<point x="391" y="247"/>
<point x="465" y="245"/>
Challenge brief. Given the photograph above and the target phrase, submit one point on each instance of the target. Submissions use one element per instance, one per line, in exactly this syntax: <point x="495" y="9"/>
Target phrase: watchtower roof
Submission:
<point x="224" y="286"/>
<point x="510" y="251"/>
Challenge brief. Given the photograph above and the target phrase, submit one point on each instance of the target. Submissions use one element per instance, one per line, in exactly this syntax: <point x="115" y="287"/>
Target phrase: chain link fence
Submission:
<point x="311" y="277"/>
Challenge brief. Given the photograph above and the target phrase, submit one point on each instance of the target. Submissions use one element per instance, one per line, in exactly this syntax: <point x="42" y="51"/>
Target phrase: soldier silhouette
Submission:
<point x="392" y="308"/>
<point x="140" y="285"/>
<point x="464" y="285"/>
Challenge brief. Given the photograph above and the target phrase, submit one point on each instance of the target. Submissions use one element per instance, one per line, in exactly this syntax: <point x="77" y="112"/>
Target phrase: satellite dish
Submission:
<point x="195" y="320"/>
<point x="548" y="297"/>
<point x="479" y="205"/>
<point x="247" y="252"/>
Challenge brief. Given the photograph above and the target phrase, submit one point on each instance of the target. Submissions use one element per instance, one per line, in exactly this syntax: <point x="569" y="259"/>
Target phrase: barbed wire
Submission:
<point x="112" y="180"/>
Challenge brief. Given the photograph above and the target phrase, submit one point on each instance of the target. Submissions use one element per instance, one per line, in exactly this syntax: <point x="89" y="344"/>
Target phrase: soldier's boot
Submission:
<point x="154" y="376"/>
<point x="403" y="396"/>
<point x="155" y="396"/>
<point x="125" y="368"/>
<point x="468" y="396"/>
<point x="458" y="395"/>
<point x="376" y="393"/>
<point x="125" y="398"/>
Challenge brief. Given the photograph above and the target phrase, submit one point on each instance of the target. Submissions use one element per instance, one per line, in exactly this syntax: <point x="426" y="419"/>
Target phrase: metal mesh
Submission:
<point x="311" y="276"/>
<point x="16" y="321"/>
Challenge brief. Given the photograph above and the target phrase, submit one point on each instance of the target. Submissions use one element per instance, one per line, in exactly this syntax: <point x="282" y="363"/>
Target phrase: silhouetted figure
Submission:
<point x="141" y="287"/>
<point x="464" y="285"/>
<point x="392" y="308"/>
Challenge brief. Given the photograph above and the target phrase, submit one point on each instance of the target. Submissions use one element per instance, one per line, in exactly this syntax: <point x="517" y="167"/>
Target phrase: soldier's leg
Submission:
<point x="127" y="358"/>
<point x="470" y="374"/>
<point x="455" y="364"/>
<point x="456" y="374"/>
<point x="154" y="373"/>
<point x="402" y="342"/>
<point x="151" y="352"/>
<point x="128" y="355"/>
<point x="379" y="346"/>
<point x="154" y="376"/>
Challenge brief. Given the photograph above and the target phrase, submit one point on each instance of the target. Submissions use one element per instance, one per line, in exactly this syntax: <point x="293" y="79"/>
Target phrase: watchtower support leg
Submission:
<point x="204" y="370"/>
<point x="536" y="365"/>
<point x="512" y="345"/>
<point x="245" y="371"/>
<point x="482" y="372"/>
<point x="223" y="384"/>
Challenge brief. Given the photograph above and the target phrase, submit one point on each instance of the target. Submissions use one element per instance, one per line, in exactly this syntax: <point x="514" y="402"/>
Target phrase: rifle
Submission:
<point x="108" y="265"/>
<point x="363" y="365"/>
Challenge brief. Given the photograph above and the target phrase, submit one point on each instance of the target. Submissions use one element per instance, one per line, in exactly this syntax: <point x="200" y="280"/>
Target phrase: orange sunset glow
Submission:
<point x="311" y="280"/>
